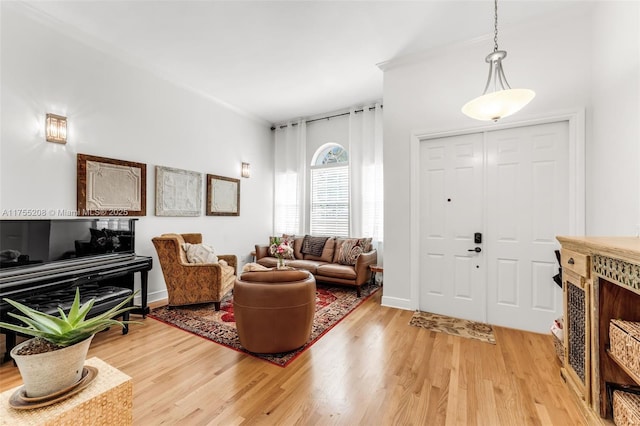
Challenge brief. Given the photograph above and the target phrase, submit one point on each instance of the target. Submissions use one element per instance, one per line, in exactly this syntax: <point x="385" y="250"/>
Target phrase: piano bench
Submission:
<point x="105" y="298"/>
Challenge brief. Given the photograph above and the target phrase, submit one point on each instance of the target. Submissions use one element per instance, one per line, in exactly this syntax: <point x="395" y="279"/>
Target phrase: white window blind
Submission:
<point x="330" y="201"/>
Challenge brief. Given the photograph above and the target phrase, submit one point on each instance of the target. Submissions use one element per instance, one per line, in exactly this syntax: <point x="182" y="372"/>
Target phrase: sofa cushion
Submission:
<point x="327" y="252"/>
<point x="199" y="253"/>
<point x="308" y="265"/>
<point x="333" y="270"/>
<point x="268" y="261"/>
<point x="351" y="249"/>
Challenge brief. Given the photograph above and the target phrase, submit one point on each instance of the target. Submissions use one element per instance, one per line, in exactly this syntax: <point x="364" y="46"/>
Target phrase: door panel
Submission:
<point x="526" y="206"/>
<point x="525" y="203"/>
<point x="452" y="281"/>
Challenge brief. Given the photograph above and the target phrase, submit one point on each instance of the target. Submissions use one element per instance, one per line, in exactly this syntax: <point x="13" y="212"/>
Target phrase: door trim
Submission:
<point x="577" y="187"/>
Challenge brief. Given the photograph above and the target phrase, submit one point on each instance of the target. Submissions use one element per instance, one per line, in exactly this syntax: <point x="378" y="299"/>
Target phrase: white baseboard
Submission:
<point x="395" y="302"/>
<point x="152" y="297"/>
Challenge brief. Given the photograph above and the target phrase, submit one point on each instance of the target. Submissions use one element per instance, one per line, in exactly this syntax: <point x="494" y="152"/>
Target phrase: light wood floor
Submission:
<point x="371" y="369"/>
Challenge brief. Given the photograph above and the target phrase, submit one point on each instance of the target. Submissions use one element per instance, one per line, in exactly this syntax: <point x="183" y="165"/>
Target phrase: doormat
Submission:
<point x="454" y="326"/>
<point x="333" y="304"/>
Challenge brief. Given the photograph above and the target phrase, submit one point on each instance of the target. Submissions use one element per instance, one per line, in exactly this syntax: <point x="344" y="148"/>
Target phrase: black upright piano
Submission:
<point x="41" y="261"/>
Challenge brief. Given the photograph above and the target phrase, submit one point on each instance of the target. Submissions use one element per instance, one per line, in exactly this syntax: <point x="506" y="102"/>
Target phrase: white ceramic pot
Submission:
<point x="46" y="373"/>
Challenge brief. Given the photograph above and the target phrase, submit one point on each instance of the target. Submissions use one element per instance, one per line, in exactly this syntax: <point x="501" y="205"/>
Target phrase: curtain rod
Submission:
<point x="323" y="118"/>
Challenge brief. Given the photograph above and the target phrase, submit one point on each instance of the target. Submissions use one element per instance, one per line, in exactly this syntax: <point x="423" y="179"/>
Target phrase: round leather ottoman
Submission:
<point x="274" y="309"/>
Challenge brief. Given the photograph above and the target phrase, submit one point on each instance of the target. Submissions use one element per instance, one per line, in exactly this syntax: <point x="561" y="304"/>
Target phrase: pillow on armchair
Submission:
<point x="199" y="253"/>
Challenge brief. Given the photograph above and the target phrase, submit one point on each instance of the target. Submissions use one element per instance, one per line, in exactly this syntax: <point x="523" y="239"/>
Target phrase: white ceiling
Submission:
<point x="280" y="60"/>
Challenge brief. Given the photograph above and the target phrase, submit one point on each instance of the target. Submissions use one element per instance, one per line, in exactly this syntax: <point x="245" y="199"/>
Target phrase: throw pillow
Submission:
<point x="350" y="250"/>
<point x="313" y="245"/>
<point x="366" y="244"/>
<point x="199" y="253"/>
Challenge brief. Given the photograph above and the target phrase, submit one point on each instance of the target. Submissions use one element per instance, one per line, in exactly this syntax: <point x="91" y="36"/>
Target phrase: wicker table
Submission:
<point x="106" y="401"/>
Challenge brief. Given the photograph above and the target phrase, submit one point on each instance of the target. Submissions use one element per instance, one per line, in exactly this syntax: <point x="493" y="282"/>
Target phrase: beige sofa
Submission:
<point x="326" y="267"/>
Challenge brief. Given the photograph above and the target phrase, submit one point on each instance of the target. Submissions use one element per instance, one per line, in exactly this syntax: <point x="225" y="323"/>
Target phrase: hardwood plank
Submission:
<point x="372" y="368"/>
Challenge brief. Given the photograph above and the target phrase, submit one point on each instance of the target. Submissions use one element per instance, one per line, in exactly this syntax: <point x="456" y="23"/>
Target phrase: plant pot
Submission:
<point x="46" y="373"/>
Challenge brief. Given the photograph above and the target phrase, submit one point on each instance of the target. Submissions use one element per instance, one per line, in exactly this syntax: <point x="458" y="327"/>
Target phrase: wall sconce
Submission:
<point x="56" y="128"/>
<point x="246" y="172"/>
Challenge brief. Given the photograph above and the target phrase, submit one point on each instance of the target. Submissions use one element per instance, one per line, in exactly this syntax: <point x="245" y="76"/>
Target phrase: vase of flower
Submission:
<point x="281" y="249"/>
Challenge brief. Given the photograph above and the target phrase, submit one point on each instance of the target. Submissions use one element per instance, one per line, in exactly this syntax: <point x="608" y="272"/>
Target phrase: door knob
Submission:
<point x="477" y="249"/>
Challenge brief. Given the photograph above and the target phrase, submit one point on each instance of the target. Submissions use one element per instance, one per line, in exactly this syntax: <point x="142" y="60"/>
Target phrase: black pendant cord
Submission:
<point x="495" y="26"/>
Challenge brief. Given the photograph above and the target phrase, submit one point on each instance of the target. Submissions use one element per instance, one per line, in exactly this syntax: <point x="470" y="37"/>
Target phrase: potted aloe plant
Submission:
<point x="54" y="359"/>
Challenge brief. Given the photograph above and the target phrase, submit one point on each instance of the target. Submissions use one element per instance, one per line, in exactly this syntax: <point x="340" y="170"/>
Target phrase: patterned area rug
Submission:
<point x="455" y="326"/>
<point x="333" y="304"/>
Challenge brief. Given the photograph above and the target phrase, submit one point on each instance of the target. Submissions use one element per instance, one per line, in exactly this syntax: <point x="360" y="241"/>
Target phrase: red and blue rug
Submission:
<point x="333" y="304"/>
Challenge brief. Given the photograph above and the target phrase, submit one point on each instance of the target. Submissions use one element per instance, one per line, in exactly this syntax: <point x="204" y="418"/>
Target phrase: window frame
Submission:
<point x="316" y="168"/>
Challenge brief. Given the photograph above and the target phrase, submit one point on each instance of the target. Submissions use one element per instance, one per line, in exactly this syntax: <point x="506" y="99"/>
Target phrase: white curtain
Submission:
<point x="365" y="160"/>
<point x="290" y="172"/>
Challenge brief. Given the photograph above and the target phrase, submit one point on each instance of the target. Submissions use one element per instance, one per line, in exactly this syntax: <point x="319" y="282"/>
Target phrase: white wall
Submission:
<point x="117" y="110"/>
<point x="586" y="57"/>
<point x="613" y="154"/>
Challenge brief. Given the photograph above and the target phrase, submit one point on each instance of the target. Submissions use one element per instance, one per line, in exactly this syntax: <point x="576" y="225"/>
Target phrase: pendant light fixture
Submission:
<point x="499" y="99"/>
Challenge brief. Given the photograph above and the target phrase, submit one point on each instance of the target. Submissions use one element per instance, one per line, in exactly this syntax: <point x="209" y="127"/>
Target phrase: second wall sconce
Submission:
<point x="56" y="128"/>
<point x="246" y="171"/>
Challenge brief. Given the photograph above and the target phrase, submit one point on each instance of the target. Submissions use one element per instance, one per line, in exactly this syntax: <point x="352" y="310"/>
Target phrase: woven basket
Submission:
<point x="626" y="408"/>
<point x="559" y="346"/>
<point x="625" y="343"/>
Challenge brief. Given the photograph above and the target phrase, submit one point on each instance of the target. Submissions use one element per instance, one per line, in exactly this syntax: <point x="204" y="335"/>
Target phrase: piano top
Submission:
<point x="72" y="269"/>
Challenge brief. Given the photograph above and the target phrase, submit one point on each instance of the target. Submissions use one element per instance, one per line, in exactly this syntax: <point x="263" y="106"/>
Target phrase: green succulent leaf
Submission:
<point x="69" y="328"/>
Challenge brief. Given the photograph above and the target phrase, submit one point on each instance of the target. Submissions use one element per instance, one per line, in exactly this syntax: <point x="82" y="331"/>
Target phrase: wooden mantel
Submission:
<point x="609" y="273"/>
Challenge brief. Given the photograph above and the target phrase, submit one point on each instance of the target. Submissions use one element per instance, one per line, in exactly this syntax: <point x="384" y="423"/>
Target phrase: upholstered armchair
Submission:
<point x="193" y="283"/>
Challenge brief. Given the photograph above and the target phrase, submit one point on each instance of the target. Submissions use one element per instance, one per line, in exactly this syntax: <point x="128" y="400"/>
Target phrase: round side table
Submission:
<point x="375" y="269"/>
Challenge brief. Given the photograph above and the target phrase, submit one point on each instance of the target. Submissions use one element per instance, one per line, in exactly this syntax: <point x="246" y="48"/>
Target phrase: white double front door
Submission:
<point x="511" y="189"/>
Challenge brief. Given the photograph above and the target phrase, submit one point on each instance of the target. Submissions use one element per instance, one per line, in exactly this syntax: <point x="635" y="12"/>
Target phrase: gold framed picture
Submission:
<point x="223" y="196"/>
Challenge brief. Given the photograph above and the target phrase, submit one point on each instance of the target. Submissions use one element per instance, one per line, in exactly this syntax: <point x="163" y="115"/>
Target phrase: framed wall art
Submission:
<point x="223" y="196"/>
<point x="108" y="187"/>
<point x="178" y="192"/>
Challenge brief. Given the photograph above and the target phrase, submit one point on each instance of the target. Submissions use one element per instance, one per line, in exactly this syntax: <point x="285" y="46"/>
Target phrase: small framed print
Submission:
<point x="223" y="196"/>
<point x="109" y="187"/>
